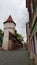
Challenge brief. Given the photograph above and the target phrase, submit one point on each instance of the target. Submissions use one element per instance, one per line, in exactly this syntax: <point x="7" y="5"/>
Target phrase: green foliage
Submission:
<point x="1" y="37"/>
<point x="25" y="44"/>
<point x="18" y="36"/>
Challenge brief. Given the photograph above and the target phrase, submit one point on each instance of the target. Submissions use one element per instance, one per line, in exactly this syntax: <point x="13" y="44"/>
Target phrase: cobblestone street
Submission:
<point x="15" y="57"/>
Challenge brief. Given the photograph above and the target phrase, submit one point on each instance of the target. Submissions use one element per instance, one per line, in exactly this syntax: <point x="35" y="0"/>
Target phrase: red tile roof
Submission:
<point x="9" y="20"/>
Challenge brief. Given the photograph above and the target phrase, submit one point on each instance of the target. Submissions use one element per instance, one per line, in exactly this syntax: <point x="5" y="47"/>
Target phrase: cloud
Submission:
<point x="18" y="11"/>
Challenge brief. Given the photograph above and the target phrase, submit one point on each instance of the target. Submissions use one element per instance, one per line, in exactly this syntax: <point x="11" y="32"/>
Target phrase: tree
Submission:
<point x="1" y="37"/>
<point x="25" y="44"/>
<point x="18" y="36"/>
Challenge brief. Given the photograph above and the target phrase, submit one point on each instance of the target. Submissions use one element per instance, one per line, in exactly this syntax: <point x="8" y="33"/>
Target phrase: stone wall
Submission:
<point x="11" y="45"/>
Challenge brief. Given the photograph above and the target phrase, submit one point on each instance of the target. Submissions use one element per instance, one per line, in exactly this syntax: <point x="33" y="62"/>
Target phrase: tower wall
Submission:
<point x="8" y="27"/>
<point x="5" y="40"/>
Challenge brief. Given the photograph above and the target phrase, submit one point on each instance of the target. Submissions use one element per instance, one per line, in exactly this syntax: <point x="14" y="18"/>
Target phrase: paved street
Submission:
<point x="15" y="57"/>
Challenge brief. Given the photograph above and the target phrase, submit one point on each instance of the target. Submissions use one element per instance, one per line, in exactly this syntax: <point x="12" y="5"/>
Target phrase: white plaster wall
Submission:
<point x="12" y="25"/>
<point x="8" y="27"/>
<point x="11" y="30"/>
<point x="5" y="40"/>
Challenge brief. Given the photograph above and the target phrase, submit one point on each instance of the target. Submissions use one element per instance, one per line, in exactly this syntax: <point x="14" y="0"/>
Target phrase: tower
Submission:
<point x="9" y="26"/>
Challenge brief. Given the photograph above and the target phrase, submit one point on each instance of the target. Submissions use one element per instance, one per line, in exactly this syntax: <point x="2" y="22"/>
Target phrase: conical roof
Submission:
<point x="9" y="19"/>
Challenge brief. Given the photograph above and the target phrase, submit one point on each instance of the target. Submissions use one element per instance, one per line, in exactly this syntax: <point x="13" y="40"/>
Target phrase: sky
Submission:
<point x="17" y="9"/>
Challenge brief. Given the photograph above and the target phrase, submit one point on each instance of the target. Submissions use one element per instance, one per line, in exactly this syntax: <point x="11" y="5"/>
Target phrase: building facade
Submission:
<point x="32" y="9"/>
<point x="29" y="40"/>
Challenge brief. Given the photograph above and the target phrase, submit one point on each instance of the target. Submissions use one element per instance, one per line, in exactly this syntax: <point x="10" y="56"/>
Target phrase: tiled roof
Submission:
<point x="9" y="19"/>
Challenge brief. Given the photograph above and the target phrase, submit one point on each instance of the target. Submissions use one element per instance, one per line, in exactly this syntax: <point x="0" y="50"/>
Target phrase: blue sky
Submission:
<point x="17" y="9"/>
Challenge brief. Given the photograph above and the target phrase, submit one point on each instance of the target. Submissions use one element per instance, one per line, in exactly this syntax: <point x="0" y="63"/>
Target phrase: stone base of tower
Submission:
<point x="5" y="40"/>
<point x="10" y="42"/>
<point x="5" y="46"/>
<point x="10" y="46"/>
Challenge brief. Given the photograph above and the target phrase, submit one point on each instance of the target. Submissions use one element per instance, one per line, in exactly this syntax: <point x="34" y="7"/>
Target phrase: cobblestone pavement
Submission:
<point x="15" y="57"/>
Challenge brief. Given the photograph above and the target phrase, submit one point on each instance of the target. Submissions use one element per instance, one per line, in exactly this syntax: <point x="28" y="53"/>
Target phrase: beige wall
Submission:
<point x="8" y="27"/>
<point x="12" y="25"/>
<point x="5" y="40"/>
